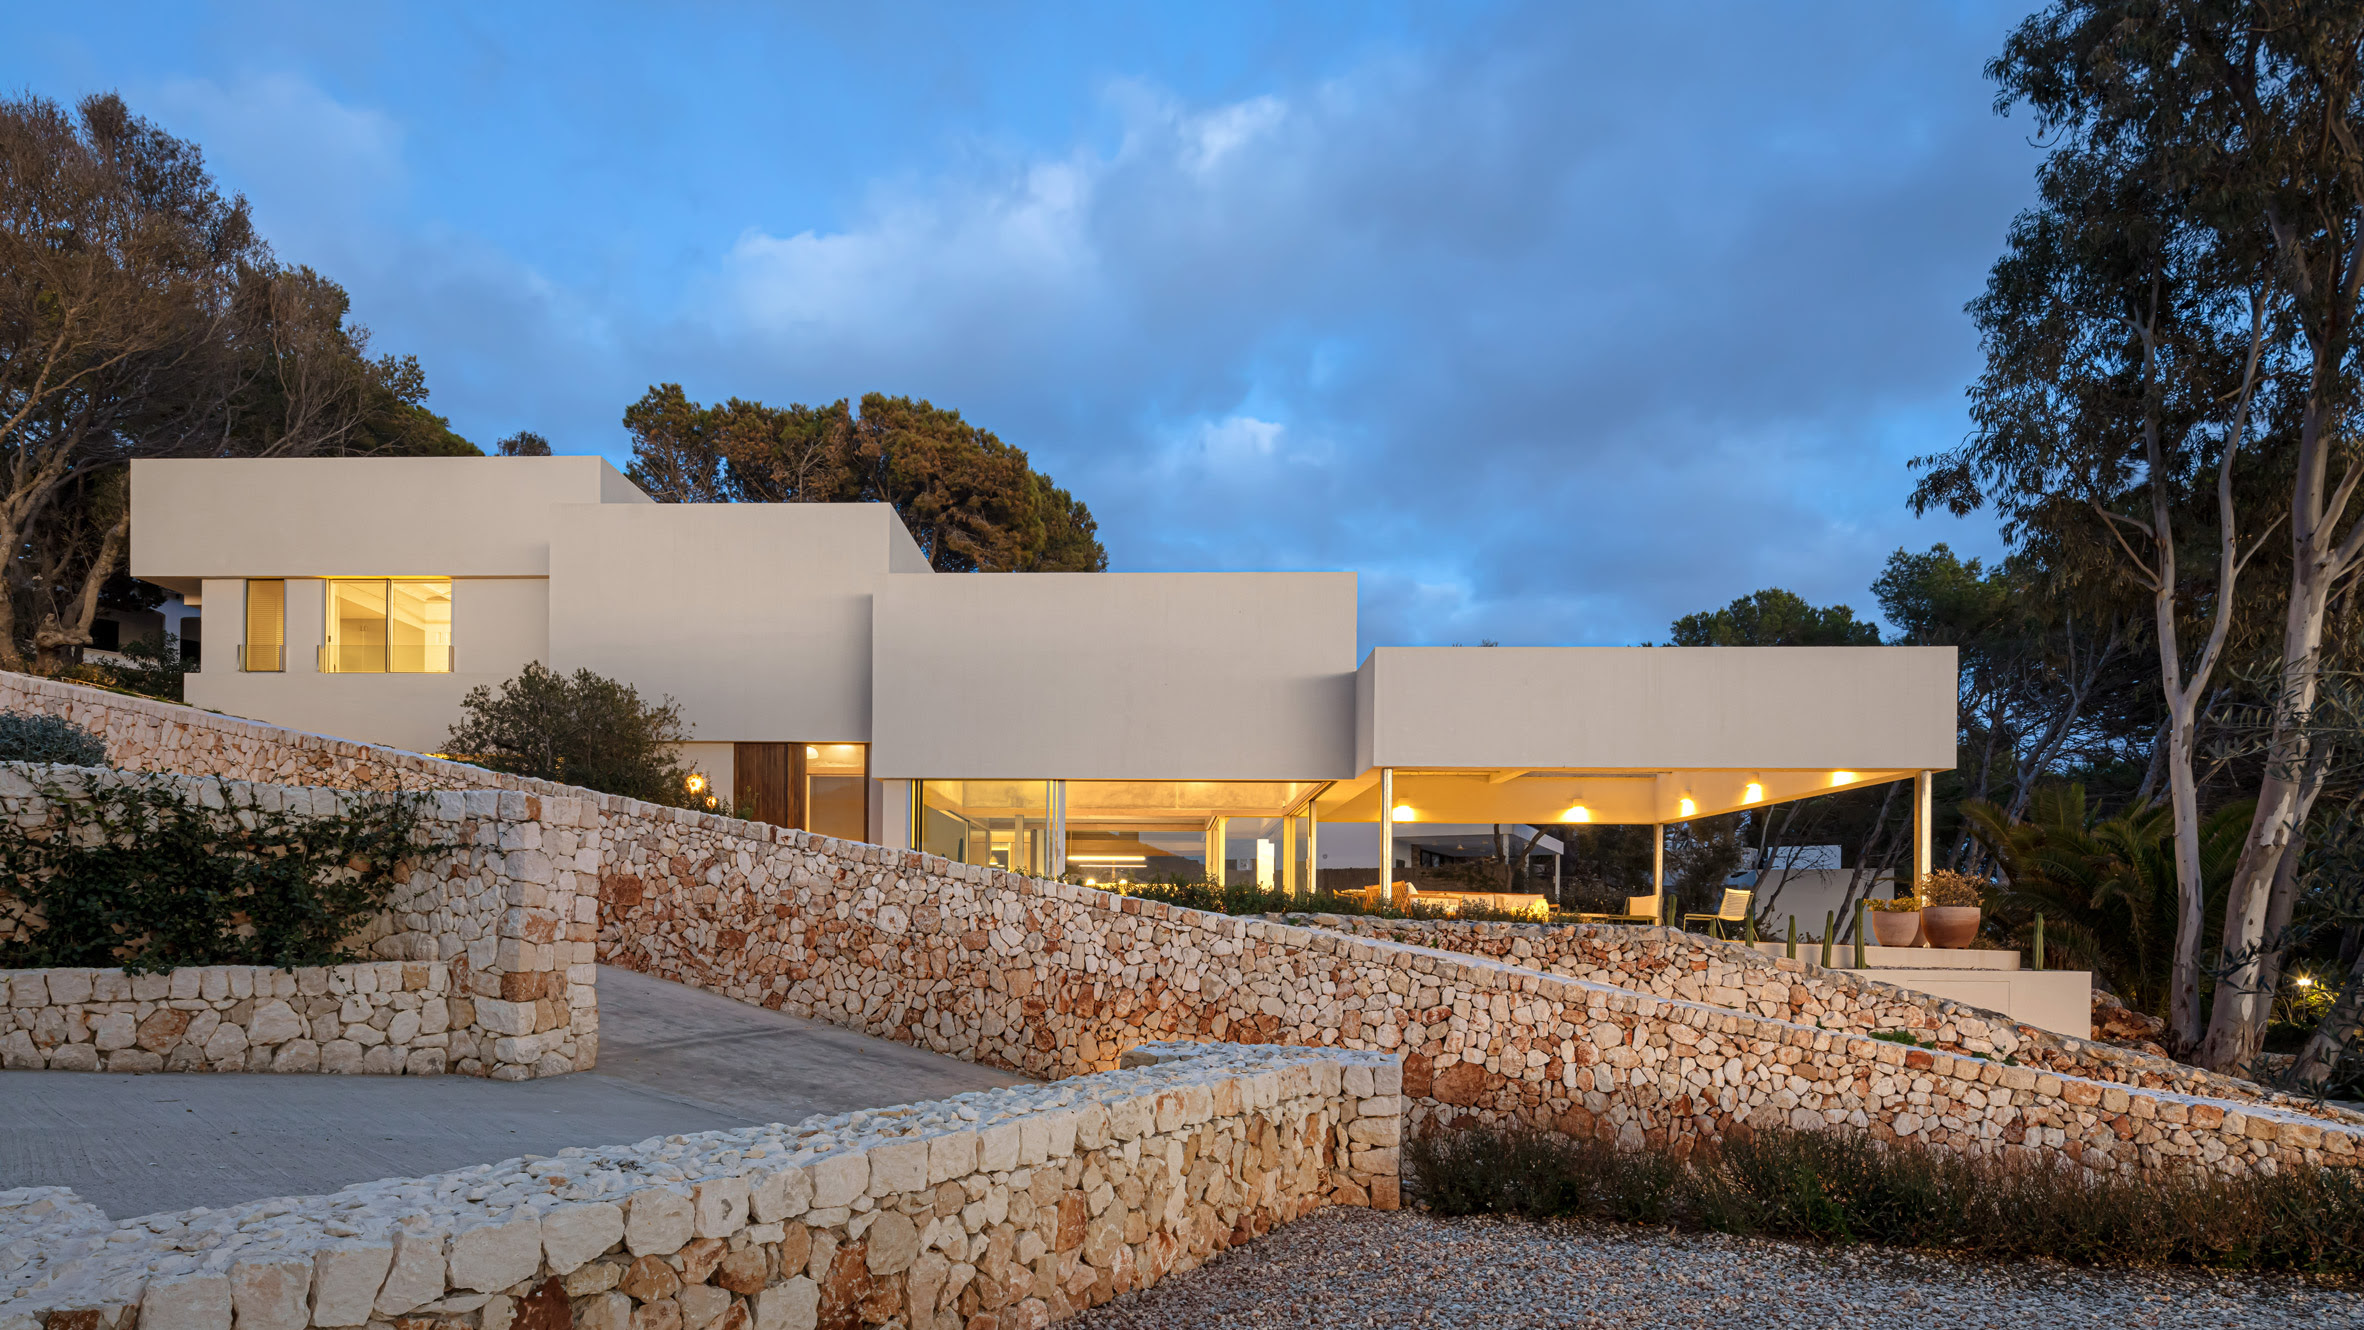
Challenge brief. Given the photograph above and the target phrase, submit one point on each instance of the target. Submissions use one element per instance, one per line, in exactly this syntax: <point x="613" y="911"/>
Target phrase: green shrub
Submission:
<point x="581" y="729"/>
<point x="1843" y="1187"/>
<point x="139" y="874"/>
<point x="27" y="737"/>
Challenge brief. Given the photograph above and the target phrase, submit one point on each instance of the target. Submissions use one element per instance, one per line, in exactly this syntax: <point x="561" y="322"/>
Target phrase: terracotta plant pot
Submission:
<point x="1896" y="928"/>
<point x="1951" y="926"/>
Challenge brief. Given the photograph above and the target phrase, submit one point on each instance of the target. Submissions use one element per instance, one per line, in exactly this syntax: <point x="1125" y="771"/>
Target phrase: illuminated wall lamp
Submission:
<point x="1842" y="778"/>
<point x="1687" y="806"/>
<point x="1403" y="813"/>
<point x="1753" y="793"/>
<point x="1579" y="814"/>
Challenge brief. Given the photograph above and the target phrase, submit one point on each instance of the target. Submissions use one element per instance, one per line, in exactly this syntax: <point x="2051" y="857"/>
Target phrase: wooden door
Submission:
<point x="768" y="781"/>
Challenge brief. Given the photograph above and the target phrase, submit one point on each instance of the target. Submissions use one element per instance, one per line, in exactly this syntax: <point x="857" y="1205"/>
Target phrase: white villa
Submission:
<point x="1100" y="723"/>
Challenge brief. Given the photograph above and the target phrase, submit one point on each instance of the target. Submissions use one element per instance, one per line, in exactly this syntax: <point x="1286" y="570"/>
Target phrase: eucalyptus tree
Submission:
<point x="2254" y="111"/>
<point x="2131" y="353"/>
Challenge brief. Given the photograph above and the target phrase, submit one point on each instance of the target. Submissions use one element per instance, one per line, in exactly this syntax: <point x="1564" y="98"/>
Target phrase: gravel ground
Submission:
<point x="1352" y="1267"/>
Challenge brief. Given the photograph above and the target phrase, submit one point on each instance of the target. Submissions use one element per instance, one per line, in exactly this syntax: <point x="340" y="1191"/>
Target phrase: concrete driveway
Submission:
<point x="671" y="1060"/>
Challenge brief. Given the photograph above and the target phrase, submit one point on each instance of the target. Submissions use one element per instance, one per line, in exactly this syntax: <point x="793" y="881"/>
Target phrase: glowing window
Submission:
<point x="388" y="626"/>
<point x="265" y="649"/>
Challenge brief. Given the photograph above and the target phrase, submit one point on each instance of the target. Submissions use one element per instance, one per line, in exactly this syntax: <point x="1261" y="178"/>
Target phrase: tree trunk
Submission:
<point x="2236" y="1028"/>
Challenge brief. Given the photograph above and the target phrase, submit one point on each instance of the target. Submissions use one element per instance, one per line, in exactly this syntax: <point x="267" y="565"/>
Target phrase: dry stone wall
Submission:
<point x="490" y="940"/>
<point x="1671" y="963"/>
<point x="1058" y="980"/>
<point x="144" y="734"/>
<point x="1005" y="1208"/>
<point x="1054" y="979"/>
<point x="385" y="1018"/>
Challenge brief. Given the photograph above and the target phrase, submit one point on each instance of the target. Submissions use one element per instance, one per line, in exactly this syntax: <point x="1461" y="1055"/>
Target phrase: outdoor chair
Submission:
<point x="1638" y="910"/>
<point x="1734" y="910"/>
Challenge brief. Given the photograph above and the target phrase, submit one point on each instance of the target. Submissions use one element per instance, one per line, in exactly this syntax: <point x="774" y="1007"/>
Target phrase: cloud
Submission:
<point x="1591" y="338"/>
<point x="1555" y="322"/>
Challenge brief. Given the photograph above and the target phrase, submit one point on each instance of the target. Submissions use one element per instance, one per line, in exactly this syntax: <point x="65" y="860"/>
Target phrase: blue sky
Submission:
<point x="1553" y="322"/>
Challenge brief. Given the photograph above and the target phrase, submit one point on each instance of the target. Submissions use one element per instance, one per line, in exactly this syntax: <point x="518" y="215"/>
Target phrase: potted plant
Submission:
<point x="1949" y="908"/>
<point x="1896" y="923"/>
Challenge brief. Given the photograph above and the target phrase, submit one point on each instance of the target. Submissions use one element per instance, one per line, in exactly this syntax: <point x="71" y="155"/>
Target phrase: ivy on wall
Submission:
<point x="146" y="875"/>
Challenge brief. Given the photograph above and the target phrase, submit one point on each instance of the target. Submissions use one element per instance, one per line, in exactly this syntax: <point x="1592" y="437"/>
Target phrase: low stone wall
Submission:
<point x="496" y="923"/>
<point x="1672" y="963"/>
<point x="384" y="1018"/>
<point x="1021" y="1205"/>
<point x="1054" y="979"/>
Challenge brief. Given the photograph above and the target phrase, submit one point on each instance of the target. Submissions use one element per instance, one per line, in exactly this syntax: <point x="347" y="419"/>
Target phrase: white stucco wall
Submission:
<point x="754" y="617"/>
<point x="1115" y="676"/>
<point x="356" y="516"/>
<point x="1862" y="708"/>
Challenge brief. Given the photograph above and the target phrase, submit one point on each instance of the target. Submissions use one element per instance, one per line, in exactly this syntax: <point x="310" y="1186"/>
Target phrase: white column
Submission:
<point x="1658" y="868"/>
<point x="1288" y="852"/>
<point x="1218" y="831"/>
<point x="1924" y="828"/>
<point x="1387" y="835"/>
<point x="1056" y="852"/>
<point x="1313" y="851"/>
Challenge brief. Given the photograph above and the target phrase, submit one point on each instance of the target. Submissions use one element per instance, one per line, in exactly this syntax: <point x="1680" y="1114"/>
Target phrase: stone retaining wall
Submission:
<point x="495" y="928"/>
<point x="384" y="1018"/>
<point x="1672" y="963"/>
<point x="144" y="734"/>
<point x="1020" y="1205"/>
<point x="1054" y="979"/>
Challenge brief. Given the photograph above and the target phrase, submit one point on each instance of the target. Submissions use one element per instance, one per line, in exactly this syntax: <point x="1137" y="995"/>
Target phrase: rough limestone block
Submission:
<point x="701" y="1305"/>
<point x="273" y="1022"/>
<point x="780" y="1195"/>
<point x="491" y="1257"/>
<point x="658" y="1221"/>
<point x="575" y="1234"/>
<point x="605" y="1311"/>
<point x="838" y="1179"/>
<point x="952" y="1155"/>
<point x="187" y="1302"/>
<point x="345" y="1280"/>
<point x="792" y="1304"/>
<point x="416" y="1276"/>
<point x="271" y="1295"/>
<point x="898" y="1166"/>
<point x="721" y="1207"/>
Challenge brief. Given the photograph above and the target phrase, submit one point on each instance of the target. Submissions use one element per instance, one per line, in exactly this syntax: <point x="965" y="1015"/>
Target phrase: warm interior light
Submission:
<point x="1139" y="859"/>
<point x="1842" y="778"/>
<point x="811" y="751"/>
<point x="1686" y="806"/>
<point x="1753" y="793"/>
<point x="1403" y="812"/>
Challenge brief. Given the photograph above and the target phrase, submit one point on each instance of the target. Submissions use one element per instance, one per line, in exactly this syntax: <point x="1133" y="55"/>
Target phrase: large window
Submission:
<point x="1005" y="823"/>
<point x="265" y="650"/>
<point x="388" y="626"/>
